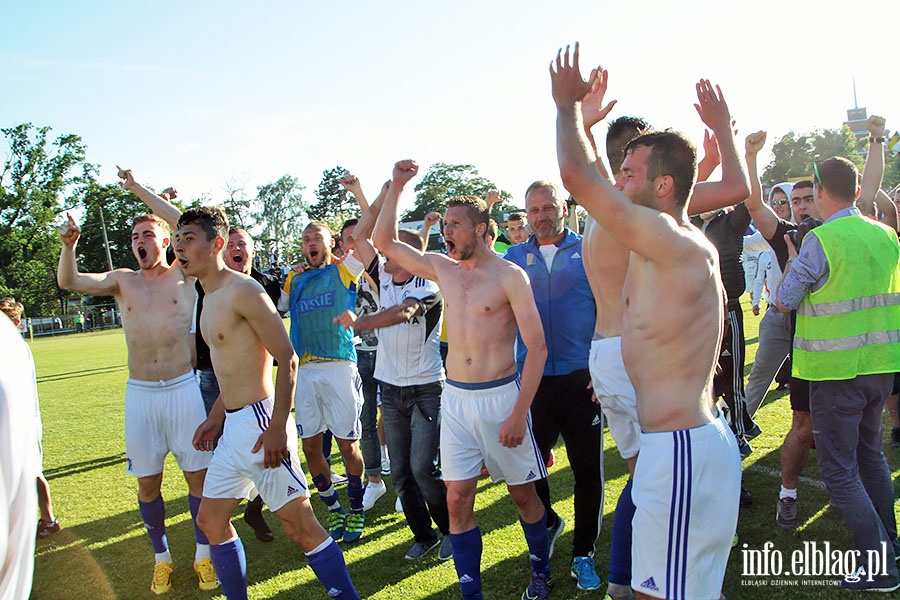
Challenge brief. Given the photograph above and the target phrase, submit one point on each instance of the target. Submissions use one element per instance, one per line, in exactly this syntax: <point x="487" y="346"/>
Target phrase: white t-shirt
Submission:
<point x="19" y="463"/>
<point x="410" y="353"/>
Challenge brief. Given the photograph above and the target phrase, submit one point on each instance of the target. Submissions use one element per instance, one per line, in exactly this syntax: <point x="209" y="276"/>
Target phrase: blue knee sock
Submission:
<point x="194" y="506"/>
<point x="328" y="564"/>
<point x="355" y="491"/>
<point x="620" y="550"/>
<point x="231" y="568"/>
<point x="467" y="559"/>
<point x="154" y="515"/>
<point x="327" y="493"/>
<point x="538" y="544"/>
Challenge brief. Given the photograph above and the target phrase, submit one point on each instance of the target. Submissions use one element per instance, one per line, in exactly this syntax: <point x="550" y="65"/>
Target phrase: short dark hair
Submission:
<point x="516" y="216"/>
<point x="620" y="132"/>
<point x="475" y="206"/>
<point x="408" y="236"/>
<point x="803" y="183"/>
<point x="840" y="177"/>
<point x="348" y="223"/>
<point x="672" y="154"/>
<point x="211" y="219"/>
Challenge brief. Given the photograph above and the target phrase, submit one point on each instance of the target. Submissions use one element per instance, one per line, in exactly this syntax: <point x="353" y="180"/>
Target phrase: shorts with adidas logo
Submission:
<point x="328" y="396"/>
<point x="471" y="418"/>
<point x="686" y="489"/>
<point x="235" y="469"/>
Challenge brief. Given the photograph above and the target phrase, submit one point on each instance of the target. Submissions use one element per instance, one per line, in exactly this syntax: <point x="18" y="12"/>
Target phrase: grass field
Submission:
<point x="103" y="551"/>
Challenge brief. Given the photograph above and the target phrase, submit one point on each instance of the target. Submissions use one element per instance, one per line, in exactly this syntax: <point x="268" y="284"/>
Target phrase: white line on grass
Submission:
<point x="816" y="483"/>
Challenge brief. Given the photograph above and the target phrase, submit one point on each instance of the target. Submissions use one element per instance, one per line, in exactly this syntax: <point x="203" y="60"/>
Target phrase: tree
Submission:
<point x="443" y="181"/>
<point x="794" y="155"/>
<point x="280" y="215"/>
<point x="236" y="204"/>
<point x="39" y="179"/>
<point x="333" y="199"/>
<point x="119" y="208"/>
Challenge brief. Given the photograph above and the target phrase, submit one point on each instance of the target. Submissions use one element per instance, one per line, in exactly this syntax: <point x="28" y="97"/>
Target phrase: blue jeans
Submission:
<point x="411" y="426"/>
<point x="846" y="418"/>
<point x="368" y="417"/>
<point x="209" y="388"/>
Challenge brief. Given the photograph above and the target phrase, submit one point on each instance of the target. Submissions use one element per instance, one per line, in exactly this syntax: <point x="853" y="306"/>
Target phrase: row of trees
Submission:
<point x="44" y="177"/>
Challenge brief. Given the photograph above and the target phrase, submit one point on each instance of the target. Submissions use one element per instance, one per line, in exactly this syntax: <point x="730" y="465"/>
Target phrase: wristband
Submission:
<point x="877" y="140"/>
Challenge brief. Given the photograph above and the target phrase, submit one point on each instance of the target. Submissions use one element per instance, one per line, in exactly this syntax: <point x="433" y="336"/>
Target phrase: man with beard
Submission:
<point x="671" y="286"/>
<point x="163" y="405"/>
<point x="563" y="402"/>
<point x="259" y="446"/>
<point x="485" y="405"/>
<point x="329" y="389"/>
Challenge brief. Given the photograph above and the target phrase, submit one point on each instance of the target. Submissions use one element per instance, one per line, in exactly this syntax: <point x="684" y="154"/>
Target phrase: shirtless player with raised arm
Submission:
<point x="485" y="410"/>
<point x="606" y="264"/>
<point x="671" y="287"/>
<point x="258" y="446"/>
<point x="163" y="405"/>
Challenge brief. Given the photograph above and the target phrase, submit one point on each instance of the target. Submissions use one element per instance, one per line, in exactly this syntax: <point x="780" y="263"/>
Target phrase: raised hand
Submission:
<point x="711" y="147"/>
<point x="69" y="231"/>
<point x="432" y="218"/>
<point x="711" y="107"/>
<point x="592" y="109"/>
<point x="404" y="171"/>
<point x="128" y="181"/>
<point x="170" y="193"/>
<point x="351" y="184"/>
<point x="491" y="199"/>
<point x="567" y="84"/>
<point x="876" y="126"/>
<point x="754" y="143"/>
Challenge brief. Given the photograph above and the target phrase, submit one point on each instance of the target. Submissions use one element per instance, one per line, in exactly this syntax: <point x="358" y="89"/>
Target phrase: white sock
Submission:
<point x="201" y="553"/>
<point x="786" y="493"/>
<point x="384" y="452"/>
<point x="164" y="556"/>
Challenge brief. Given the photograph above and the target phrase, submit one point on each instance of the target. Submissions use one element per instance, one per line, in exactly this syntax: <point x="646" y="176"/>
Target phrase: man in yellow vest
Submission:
<point x="845" y="286"/>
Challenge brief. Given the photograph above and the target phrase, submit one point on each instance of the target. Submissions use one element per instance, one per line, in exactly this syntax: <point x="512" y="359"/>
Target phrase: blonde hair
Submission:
<point x="12" y="309"/>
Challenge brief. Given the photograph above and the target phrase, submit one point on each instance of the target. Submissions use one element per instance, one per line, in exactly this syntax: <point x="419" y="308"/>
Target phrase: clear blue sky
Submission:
<point x="194" y="94"/>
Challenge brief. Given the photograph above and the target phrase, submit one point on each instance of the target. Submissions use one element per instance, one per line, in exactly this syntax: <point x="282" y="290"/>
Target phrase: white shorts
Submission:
<point x="471" y="418"/>
<point x="235" y="469"/>
<point x="161" y="417"/>
<point x="616" y="394"/>
<point x="686" y="489"/>
<point x="329" y="396"/>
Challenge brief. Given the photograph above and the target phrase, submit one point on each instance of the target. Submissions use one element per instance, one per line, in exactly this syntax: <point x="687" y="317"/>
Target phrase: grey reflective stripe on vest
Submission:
<point x="848" y="343"/>
<point x="843" y="307"/>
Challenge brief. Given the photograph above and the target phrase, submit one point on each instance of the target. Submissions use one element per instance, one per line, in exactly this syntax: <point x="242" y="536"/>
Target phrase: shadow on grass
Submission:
<point x="84" y="466"/>
<point x="82" y="373"/>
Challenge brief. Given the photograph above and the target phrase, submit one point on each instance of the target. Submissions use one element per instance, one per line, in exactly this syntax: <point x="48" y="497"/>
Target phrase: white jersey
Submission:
<point x="411" y="351"/>
<point x="19" y="464"/>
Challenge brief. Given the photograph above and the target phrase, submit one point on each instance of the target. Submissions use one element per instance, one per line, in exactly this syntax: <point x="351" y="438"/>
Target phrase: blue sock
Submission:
<point x="538" y="544"/>
<point x="467" y="559"/>
<point x="620" y="549"/>
<point x="154" y="515"/>
<point x="327" y="493"/>
<point x="231" y="568"/>
<point x="194" y="506"/>
<point x="328" y="564"/>
<point x="355" y="491"/>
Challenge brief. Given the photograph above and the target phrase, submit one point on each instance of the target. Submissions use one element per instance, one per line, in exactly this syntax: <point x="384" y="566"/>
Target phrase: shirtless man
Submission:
<point x="671" y="286"/>
<point x="163" y="404"/>
<point x="244" y="332"/>
<point x="485" y="409"/>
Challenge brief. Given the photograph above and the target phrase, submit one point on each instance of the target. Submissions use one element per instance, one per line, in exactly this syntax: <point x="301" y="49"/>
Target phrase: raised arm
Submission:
<point x="161" y="207"/>
<point x="254" y="305"/>
<point x="67" y="275"/>
<point x="351" y="184"/>
<point x="594" y="111"/>
<point x="640" y="229"/>
<point x="733" y="188"/>
<point x="386" y="236"/>
<point x="765" y="218"/>
<point x="711" y="157"/>
<point x="873" y="172"/>
<point x="430" y="220"/>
